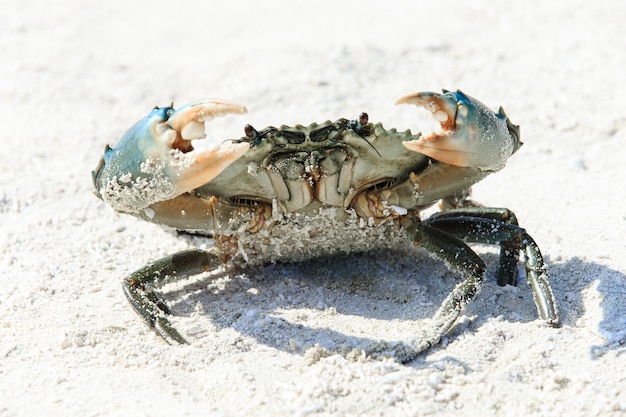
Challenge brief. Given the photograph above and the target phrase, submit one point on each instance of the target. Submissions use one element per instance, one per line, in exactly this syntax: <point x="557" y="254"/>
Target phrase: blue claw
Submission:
<point x="155" y="160"/>
<point x="472" y="135"/>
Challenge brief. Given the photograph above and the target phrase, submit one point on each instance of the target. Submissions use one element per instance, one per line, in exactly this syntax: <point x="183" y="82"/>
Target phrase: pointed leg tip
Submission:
<point x="164" y="329"/>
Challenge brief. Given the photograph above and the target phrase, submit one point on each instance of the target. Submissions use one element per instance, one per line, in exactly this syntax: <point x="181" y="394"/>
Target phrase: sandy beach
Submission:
<point x="75" y="75"/>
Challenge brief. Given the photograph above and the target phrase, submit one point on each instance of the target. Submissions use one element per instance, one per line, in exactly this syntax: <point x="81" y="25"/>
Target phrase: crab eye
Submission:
<point x="169" y="112"/>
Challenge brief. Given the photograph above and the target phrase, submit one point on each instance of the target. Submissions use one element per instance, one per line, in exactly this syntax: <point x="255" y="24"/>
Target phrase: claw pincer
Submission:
<point x="155" y="160"/>
<point x="471" y="136"/>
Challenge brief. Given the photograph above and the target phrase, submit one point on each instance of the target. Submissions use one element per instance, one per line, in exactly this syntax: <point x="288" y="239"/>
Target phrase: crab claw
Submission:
<point x="472" y="135"/>
<point x="156" y="161"/>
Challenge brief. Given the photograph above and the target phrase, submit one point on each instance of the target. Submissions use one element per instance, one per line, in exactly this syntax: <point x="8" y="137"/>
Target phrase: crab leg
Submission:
<point x="444" y="235"/>
<point x="139" y="287"/>
<point x="509" y="254"/>
<point x="486" y="230"/>
<point x="456" y="253"/>
<point x="471" y="136"/>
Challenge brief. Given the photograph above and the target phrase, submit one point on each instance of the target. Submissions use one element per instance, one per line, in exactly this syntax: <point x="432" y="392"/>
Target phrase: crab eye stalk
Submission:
<point x="363" y="118"/>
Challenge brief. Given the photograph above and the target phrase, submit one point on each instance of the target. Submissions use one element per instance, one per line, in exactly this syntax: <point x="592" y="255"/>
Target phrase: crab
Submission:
<point x="288" y="194"/>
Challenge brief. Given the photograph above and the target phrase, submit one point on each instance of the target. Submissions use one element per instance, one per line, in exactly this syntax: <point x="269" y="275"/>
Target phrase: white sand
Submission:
<point x="75" y="75"/>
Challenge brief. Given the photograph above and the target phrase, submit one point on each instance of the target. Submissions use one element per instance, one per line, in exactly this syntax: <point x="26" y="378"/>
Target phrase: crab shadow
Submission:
<point x="359" y="299"/>
<point x="581" y="285"/>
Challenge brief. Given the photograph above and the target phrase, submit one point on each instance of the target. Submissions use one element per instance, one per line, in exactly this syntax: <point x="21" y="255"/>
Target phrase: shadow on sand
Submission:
<point x="406" y="287"/>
